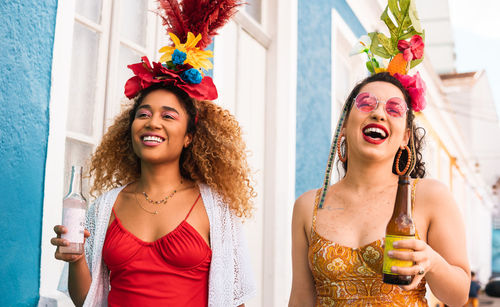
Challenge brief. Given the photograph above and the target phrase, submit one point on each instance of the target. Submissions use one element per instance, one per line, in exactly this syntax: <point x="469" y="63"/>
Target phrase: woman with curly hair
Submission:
<point x="167" y="233"/>
<point x="337" y="242"/>
<point x="168" y="230"/>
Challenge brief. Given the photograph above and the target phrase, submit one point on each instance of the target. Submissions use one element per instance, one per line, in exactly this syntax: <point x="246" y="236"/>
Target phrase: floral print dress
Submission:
<point x="346" y="276"/>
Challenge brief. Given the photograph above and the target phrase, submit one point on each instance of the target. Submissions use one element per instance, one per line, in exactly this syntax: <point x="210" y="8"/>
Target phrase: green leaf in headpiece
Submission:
<point x="414" y="17"/>
<point x="416" y="62"/>
<point x="371" y="64"/>
<point x="381" y="45"/>
<point x="407" y="24"/>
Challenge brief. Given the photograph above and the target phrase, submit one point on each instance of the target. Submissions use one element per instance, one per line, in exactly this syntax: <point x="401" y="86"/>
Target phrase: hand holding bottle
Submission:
<point x="418" y="252"/>
<point x="59" y="242"/>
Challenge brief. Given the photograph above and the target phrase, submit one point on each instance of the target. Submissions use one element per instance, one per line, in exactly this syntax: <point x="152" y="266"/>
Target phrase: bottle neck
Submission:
<point x="76" y="180"/>
<point x="403" y="197"/>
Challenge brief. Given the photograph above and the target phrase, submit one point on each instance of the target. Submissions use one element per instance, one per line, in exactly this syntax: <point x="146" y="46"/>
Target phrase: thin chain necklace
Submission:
<point x="156" y="211"/>
<point x="161" y="201"/>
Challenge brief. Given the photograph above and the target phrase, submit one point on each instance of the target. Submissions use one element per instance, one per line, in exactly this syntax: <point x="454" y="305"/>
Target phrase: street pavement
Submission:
<point x="485" y="300"/>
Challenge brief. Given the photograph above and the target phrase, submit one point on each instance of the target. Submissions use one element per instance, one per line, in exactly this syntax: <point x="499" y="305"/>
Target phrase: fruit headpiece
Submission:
<point x="403" y="50"/>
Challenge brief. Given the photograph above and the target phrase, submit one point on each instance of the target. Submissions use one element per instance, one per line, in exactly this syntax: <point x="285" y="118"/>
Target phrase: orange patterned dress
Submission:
<point x="345" y="276"/>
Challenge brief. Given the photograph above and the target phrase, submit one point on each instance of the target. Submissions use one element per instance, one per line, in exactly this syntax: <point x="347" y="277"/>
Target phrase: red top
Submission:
<point x="171" y="271"/>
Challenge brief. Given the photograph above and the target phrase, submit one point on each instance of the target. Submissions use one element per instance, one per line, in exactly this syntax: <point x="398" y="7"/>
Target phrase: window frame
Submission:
<point x="340" y="28"/>
<point x="66" y="17"/>
<point x="50" y="268"/>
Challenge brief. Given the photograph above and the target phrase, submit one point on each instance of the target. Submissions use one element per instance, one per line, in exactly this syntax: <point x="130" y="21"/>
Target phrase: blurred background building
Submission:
<point x="468" y="101"/>
<point x="282" y="67"/>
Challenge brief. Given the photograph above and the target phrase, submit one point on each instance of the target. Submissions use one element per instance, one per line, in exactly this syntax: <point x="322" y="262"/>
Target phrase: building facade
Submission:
<point x="282" y="67"/>
<point x="27" y="38"/>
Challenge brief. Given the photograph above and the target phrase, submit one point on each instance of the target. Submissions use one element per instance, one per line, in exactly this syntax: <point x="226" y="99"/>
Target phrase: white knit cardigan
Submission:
<point x="231" y="281"/>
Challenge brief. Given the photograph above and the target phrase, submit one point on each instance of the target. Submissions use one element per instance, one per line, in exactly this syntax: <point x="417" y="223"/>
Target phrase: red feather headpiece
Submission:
<point x="197" y="16"/>
<point x="194" y="23"/>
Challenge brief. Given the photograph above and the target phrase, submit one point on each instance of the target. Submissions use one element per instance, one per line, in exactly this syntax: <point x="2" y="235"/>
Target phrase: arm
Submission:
<point x="79" y="272"/>
<point x="449" y="274"/>
<point x="79" y="281"/>
<point x="303" y="292"/>
<point x="79" y="275"/>
<point x="444" y="257"/>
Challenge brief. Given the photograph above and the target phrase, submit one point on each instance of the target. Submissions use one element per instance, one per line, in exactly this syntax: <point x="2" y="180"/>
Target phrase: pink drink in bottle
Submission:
<point x="74" y="207"/>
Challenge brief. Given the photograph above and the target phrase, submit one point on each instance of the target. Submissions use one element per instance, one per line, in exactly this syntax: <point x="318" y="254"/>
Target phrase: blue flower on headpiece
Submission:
<point x="192" y="75"/>
<point x="178" y="57"/>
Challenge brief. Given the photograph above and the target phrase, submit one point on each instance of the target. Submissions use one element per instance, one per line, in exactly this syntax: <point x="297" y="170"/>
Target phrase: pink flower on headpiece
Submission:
<point x="412" y="50"/>
<point x="147" y="75"/>
<point x="416" y="88"/>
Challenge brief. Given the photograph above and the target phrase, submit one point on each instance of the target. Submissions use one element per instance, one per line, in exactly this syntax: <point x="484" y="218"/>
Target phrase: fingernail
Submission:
<point x="395" y="244"/>
<point x="394" y="269"/>
<point x="390" y="253"/>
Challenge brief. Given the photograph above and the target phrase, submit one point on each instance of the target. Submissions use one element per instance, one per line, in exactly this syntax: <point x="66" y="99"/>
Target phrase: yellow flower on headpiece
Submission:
<point x="194" y="56"/>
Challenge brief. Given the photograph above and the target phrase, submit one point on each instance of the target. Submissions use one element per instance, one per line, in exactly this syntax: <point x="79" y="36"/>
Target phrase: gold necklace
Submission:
<point x="150" y="212"/>
<point x="160" y="202"/>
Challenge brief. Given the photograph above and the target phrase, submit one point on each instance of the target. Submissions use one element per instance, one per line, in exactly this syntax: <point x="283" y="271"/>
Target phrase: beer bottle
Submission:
<point x="400" y="227"/>
<point x="74" y="207"/>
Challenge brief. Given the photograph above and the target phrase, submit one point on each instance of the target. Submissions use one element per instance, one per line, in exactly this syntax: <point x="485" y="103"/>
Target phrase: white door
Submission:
<point x="240" y="76"/>
<point x="250" y="55"/>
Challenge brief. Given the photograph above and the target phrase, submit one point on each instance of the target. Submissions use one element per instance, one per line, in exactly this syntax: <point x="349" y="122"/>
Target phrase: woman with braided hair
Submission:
<point x="338" y="231"/>
<point x="337" y="245"/>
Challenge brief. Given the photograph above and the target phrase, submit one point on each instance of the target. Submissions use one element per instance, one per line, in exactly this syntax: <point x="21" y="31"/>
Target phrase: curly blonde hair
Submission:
<point x="216" y="156"/>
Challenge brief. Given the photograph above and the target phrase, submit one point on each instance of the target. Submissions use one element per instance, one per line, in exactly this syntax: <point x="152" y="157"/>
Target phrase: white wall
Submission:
<point x="255" y="73"/>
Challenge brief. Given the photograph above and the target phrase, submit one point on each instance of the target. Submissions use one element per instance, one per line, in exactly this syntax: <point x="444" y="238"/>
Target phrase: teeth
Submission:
<point x="376" y="130"/>
<point x="150" y="138"/>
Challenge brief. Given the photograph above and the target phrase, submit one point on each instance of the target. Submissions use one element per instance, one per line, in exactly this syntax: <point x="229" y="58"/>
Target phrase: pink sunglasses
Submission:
<point x="367" y="102"/>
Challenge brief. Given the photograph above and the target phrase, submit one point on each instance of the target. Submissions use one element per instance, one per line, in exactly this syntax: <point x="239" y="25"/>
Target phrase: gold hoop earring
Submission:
<point x="407" y="166"/>
<point x="339" y="151"/>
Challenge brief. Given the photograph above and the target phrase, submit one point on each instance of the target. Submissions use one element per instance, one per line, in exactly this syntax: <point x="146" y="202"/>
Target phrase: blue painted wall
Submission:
<point x="495" y="251"/>
<point x="314" y="87"/>
<point x="26" y="41"/>
<point x="210" y="47"/>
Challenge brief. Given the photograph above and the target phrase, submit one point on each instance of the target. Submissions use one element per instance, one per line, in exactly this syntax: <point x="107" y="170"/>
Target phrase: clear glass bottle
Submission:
<point x="74" y="208"/>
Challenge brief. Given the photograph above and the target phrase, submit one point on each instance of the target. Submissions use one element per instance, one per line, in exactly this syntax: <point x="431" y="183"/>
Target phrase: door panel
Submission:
<point x="240" y="76"/>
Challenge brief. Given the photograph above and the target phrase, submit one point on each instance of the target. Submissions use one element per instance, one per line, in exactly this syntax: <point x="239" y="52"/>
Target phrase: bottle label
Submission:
<point x="390" y="262"/>
<point x="74" y="221"/>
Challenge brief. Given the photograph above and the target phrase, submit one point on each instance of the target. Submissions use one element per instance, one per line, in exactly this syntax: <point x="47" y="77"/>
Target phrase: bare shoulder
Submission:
<point x="432" y="188"/>
<point x="434" y="195"/>
<point x="303" y="212"/>
<point x="305" y="203"/>
<point x="127" y="194"/>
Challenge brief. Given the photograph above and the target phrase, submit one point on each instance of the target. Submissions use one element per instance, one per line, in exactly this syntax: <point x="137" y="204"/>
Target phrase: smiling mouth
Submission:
<point x="375" y="133"/>
<point x="152" y="139"/>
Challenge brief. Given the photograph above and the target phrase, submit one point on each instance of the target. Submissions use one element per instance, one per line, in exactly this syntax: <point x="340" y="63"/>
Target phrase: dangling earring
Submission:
<point x="339" y="151"/>
<point x="400" y="152"/>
